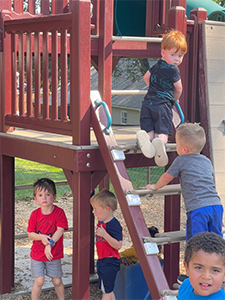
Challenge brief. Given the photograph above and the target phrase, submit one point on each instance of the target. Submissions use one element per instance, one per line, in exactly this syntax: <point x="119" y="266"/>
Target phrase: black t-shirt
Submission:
<point x="161" y="88"/>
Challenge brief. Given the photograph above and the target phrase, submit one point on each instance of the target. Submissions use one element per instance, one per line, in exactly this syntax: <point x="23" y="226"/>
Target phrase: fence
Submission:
<point x="26" y="172"/>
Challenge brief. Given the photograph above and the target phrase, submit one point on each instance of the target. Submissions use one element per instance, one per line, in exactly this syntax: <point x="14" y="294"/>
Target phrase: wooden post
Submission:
<point x="5" y="4"/>
<point x="80" y="183"/>
<point x="105" y="51"/>
<point x="176" y="20"/>
<point x="197" y="15"/>
<point x="81" y="234"/>
<point x="95" y="17"/>
<point x="200" y="13"/>
<point x="5" y="65"/>
<point x="182" y="3"/>
<point x="6" y="223"/>
<point x="80" y="74"/>
<point x="149" y="29"/>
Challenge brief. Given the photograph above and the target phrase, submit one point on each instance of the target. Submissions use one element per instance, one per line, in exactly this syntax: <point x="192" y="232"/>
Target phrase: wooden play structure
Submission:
<point x="64" y="36"/>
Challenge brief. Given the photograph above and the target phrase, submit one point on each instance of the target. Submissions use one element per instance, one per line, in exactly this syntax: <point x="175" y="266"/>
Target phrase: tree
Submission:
<point x="37" y="5"/>
<point x="220" y="2"/>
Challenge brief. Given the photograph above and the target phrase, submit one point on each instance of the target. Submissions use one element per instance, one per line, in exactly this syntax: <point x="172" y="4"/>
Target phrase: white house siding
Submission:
<point x="214" y="60"/>
<point x="133" y="116"/>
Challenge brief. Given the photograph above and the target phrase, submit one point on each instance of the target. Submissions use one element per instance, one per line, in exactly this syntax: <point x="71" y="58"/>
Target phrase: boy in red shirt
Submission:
<point x="108" y="241"/>
<point x="46" y="227"/>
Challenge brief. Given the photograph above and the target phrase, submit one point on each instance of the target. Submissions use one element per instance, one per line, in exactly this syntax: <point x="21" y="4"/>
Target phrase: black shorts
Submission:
<point x="157" y="118"/>
<point x="107" y="269"/>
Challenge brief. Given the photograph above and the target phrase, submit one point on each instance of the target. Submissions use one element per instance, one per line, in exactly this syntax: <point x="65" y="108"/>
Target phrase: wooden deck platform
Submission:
<point x="125" y="137"/>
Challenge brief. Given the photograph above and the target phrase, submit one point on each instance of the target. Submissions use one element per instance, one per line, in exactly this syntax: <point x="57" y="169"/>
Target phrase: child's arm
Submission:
<point x="178" y="88"/>
<point x="56" y="236"/>
<point x="48" y="252"/>
<point x="147" y="77"/>
<point x="163" y="180"/>
<point x="38" y="237"/>
<point x="44" y="238"/>
<point x="100" y="231"/>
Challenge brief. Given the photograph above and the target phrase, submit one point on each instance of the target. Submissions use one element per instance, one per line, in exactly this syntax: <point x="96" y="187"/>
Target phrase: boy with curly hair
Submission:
<point x="204" y="262"/>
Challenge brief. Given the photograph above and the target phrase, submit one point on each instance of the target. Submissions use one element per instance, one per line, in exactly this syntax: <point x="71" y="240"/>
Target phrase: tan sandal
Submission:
<point x="161" y="158"/>
<point x="144" y="144"/>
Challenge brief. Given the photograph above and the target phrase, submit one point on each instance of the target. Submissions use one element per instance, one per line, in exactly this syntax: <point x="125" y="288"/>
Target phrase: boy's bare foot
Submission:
<point x="144" y="144"/>
<point x="161" y="158"/>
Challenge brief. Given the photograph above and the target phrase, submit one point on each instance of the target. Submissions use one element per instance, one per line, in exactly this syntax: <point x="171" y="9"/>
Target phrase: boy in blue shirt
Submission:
<point x="205" y="265"/>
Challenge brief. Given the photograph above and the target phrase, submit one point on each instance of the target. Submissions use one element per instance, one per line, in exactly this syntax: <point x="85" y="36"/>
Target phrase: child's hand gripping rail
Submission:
<point x="178" y="116"/>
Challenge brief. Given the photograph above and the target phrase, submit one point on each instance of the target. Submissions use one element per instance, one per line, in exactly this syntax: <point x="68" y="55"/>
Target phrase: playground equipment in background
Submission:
<point x="85" y="165"/>
<point x="215" y="11"/>
<point x="130" y="16"/>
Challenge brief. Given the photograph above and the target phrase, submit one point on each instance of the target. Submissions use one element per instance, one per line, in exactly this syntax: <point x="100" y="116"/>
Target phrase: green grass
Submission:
<point x="139" y="176"/>
<point x="26" y="172"/>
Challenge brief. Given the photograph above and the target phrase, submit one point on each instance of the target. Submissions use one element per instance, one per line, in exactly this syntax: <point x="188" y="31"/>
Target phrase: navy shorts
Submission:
<point x="208" y="218"/>
<point x="157" y="118"/>
<point x="107" y="269"/>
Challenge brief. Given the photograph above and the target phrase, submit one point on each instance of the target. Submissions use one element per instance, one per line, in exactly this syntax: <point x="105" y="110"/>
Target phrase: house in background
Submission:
<point x="125" y="108"/>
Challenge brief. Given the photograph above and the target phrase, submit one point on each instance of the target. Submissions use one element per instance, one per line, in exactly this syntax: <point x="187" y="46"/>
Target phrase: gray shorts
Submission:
<point x="52" y="268"/>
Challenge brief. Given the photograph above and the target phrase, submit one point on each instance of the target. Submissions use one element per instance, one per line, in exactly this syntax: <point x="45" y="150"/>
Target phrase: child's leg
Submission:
<point x="151" y="135"/>
<point x="198" y="221"/>
<point x="216" y="219"/>
<point x="163" y="128"/>
<point x="59" y="287"/>
<point x="161" y="158"/>
<point x="107" y="270"/>
<point x="108" y="296"/>
<point x="37" y="286"/>
<point x="144" y="143"/>
<point x="163" y="137"/>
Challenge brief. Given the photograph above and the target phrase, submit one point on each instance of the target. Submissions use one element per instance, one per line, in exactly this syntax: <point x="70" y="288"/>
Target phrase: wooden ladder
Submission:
<point x="129" y="202"/>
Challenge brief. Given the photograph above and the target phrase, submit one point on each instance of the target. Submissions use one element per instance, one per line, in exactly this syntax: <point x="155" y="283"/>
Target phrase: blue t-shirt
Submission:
<point x="186" y="293"/>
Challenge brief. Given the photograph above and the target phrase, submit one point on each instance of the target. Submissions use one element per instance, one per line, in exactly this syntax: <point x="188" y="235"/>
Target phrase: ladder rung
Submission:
<point x="171" y="189"/>
<point x="178" y="233"/>
<point x="169" y="293"/>
<point x="170" y="147"/>
<point x="169" y="237"/>
<point x="165" y="239"/>
<point x="125" y="147"/>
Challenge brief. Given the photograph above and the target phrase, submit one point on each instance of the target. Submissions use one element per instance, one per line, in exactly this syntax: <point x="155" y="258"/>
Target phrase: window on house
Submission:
<point x="123" y="117"/>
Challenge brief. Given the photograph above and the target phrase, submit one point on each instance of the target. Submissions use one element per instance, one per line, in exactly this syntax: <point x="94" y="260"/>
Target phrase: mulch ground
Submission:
<point x="153" y="211"/>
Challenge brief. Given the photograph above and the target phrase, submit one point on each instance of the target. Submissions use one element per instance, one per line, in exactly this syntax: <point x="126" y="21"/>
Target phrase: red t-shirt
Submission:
<point x="47" y="224"/>
<point x="104" y="249"/>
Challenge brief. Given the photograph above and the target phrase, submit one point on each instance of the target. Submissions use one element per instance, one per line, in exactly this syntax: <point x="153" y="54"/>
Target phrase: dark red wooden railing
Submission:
<point x="34" y="42"/>
<point x="37" y="40"/>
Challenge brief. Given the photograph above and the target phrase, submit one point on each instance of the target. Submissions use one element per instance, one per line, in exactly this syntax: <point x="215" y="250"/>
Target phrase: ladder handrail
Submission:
<point x="109" y="118"/>
<point x="182" y="119"/>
